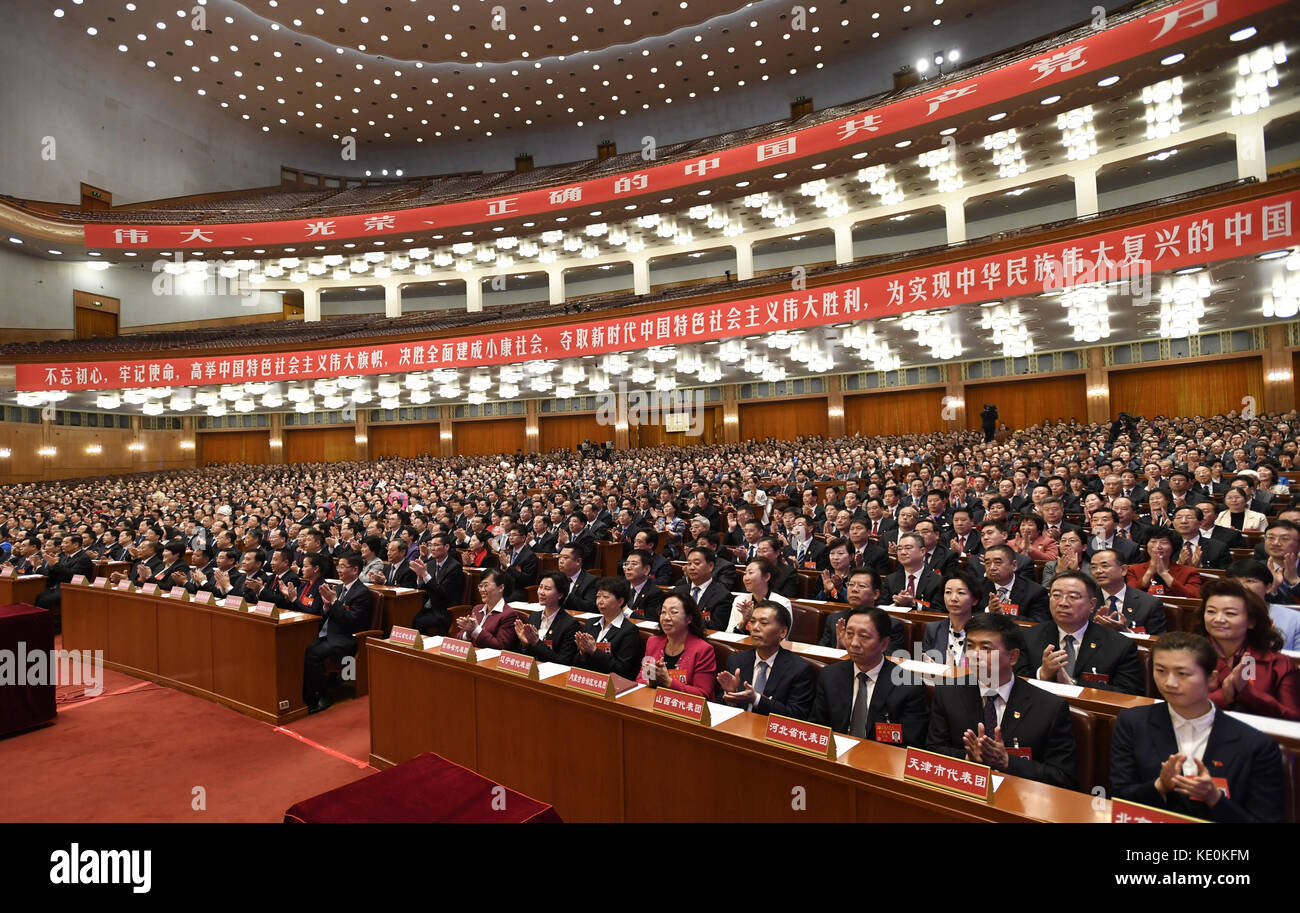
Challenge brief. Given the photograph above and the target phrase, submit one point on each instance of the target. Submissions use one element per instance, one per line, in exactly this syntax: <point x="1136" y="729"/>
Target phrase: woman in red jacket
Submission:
<point x="1251" y="676"/>
<point x="680" y="657"/>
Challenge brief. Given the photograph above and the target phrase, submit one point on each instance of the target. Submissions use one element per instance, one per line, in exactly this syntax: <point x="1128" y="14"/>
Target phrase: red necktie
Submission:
<point x="911" y="584"/>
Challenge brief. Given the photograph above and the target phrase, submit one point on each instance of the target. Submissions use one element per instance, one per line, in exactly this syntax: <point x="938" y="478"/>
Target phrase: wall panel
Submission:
<point x="403" y="440"/>
<point x="784" y="420"/>
<point x="161" y="451"/>
<point x="320" y="445"/>
<point x="899" y="412"/>
<point x="655" y="436"/>
<point x="1025" y="401"/>
<point x="251" y="447"/>
<point x="566" y="432"/>
<point x="1207" y="388"/>
<point x="489" y="436"/>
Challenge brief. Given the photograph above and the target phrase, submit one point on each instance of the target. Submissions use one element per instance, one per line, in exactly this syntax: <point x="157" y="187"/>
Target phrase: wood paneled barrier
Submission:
<point x="161" y="450"/>
<point x="504" y="435"/>
<point x="655" y="436"/>
<point x="784" y="420"/>
<point x="900" y="412"/>
<point x="403" y="440"/>
<point x="1203" y="388"/>
<point x="251" y="447"/>
<point x="566" y="432"/>
<point x="320" y="445"/>
<point x="1025" y="401"/>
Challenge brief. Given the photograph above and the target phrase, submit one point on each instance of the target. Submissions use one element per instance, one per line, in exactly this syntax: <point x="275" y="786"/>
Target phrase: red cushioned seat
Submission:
<point x="427" y="789"/>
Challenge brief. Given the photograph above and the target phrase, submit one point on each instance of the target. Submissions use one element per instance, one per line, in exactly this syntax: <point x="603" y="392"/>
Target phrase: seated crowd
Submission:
<point x="1082" y="530"/>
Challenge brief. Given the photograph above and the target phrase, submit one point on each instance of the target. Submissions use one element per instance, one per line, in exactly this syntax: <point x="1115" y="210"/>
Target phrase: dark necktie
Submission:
<point x="1070" y="655"/>
<point x="990" y="714"/>
<point x="858" y="718"/>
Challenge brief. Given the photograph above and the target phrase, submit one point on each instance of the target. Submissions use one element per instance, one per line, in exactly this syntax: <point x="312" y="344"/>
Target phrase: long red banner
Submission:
<point x="1222" y="233"/>
<point x="1104" y="50"/>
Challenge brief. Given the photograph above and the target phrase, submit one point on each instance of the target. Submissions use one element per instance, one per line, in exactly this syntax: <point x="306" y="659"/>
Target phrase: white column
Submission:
<point x="744" y="260"/>
<point x="641" y="276"/>
<point x="843" y="242"/>
<point x="474" y="293"/>
<point x="555" y="279"/>
<point x="1085" y="192"/>
<point x="955" y="214"/>
<point x="1251" y="162"/>
<point x="392" y="299"/>
<point x="311" y="304"/>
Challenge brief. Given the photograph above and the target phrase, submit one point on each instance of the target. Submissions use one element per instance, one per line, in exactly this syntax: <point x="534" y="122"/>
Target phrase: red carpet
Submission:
<point x="137" y="752"/>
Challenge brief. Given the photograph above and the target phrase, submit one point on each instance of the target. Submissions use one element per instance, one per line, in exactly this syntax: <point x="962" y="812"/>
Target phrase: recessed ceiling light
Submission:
<point x="903" y="144"/>
<point x="1050" y="100"/>
<point x="948" y="132"/>
<point x="13" y="240"/>
<point x="1240" y="34"/>
<point x="1273" y="255"/>
<point x="998" y="116"/>
<point x="1173" y="59"/>
<point x="1108" y="81"/>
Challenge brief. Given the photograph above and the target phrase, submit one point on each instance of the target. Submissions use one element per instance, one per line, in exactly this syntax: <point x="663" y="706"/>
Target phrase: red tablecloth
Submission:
<point x="425" y="789"/>
<point x="23" y="706"/>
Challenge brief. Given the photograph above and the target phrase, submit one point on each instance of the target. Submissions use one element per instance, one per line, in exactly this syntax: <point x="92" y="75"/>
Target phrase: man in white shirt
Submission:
<point x="1122" y="607"/>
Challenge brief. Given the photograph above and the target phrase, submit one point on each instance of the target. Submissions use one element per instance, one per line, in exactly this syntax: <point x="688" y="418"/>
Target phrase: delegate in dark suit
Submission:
<point x="526" y="569"/>
<point x="928" y="591"/>
<point x="1033" y="719"/>
<point x="624" y="654"/>
<point x="557" y="646"/>
<point x="1029" y="598"/>
<point x="1141" y="610"/>
<point x="714" y="602"/>
<point x="896" y="634"/>
<point x="400" y="574"/>
<point x="815" y="555"/>
<point x="1102" y="652"/>
<point x="1214" y="554"/>
<point x="647" y="603"/>
<point x="890" y="703"/>
<point x="789" y="687"/>
<point x="444" y="589"/>
<point x="1247" y="758"/>
<point x="582" y="595"/>
<point x="350" y="612"/>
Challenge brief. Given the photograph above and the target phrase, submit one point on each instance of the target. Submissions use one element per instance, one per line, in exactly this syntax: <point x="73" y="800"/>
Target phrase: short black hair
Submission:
<point x="617" y="587"/>
<point x="1000" y="624"/>
<point x="879" y="619"/>
<point x="782" y="613"/>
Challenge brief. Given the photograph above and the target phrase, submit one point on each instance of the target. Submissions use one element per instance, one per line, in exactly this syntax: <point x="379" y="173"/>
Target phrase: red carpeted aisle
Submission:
<point x="137" y="752"/>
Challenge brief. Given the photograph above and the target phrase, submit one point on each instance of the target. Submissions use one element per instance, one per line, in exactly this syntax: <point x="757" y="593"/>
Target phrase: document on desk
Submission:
<point x="843" y="744"/>
<point x="292" y="616"/>
<point x="720" y="713"/>
<point x="431" y="643"/>
<point x="586" y="616"/>
<point x="1285" y="729"/>
<point x="730" y="637"/>
<point x="525" y="606"/>
<point x="480" y="655"/>
<point x="1057" y="688"/>
<point x="623" y="694"/>
<point x="648" y="625"/>
<point x="402" y="590"/>
<point x="825" y="652"/>
<point x="550" y="670"/>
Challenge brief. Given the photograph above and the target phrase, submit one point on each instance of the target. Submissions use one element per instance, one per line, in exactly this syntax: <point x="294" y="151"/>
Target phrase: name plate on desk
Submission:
<point x="149" y="589"/>
<point x="265" y="608"/>
<point x="597" y="683"/>
<point x="124" y="584"/>
<point x="79" y="579"/>
<point x="100" y="581"/>
<point x="800" y="735"/>
<point x="518" y="664"/>
<point x="407" y="637"/>
<point x="233" y="602"/>
<point x="457" y="649"/>
<point x="6" y="570"/>
<point x="1122" y="812"/>
<point x="952" y="774"/>
<point x="682" y="705"/>
<point x="201" y="597"/>
<point x="177" y="592"/>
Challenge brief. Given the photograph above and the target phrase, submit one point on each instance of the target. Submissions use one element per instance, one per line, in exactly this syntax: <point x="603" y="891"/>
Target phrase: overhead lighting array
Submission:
<point x="882" y="184"/>
<point x="1007" y="154"/>
<point x="1256" y="74"/>
<point x="1087" y="311"/>
<point x="1164" y="105"/>
<point x="943" y="168"/>
<point x="1182" y="305"/>
<point x="1009" y="330"/>
<point x="933" y="332"/>
<point x="1077" y="133"/>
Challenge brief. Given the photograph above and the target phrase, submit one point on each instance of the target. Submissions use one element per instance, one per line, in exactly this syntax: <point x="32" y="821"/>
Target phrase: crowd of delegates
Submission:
<point x="1120" y="515"/>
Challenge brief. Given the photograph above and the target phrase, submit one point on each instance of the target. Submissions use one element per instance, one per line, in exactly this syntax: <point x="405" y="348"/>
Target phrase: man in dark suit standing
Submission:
<point x="1006" y="589"/>
<point x="1122" y="607"/>
<point x="1072" y="649"/>
<point x="443" y="580"/>
<point x="645" y="597"/>
<point x="863" y="697"/>
<point x="1186" y="756"/>
<point x="1008" y="724"/>
<point x="713" y="598"/>
<point x="344" y="611"/>
<point x="520" y="560"/>
<point x="913" y="584"/>
<point x="582" y="586"/>
<point x="768" y="679"/>
<point x="610" y="643"/>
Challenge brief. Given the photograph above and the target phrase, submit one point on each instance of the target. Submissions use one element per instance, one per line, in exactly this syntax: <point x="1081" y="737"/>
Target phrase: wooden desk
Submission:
<point x="247" y="662"/>
<point x="598" y="760"/>
<point x="21" y="590"/>
<point x="400" y="608"/>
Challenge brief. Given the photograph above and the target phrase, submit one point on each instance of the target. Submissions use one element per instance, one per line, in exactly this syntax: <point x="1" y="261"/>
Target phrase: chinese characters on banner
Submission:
<point x="1240" y="229"/>
<point x="1105" y="49"/>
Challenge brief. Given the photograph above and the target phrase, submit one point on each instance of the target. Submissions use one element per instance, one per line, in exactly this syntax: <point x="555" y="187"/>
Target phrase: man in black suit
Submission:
<point x="549" y="633"/>
<point x="251" y="567"/>
<point x="864" y="589"/>
<point x="580" y="536"/>
<point x="768" y="679"/>
<point x="713" y="599"/>
<point x="645" y="598"/>
<point x="661" y="569"/>
<point x="1198" y="550"/>
<point x="1127" y="524"/>
<point x="582" y="586"/>
<point x="1011" y="725"/>
<point x="397" y="572"/>
<point x="443" y="580"/>
<point x="1122" y="607"/>
<point x="1230" y="537"/>
<point x="281" y="571"/>
<point x="345" y="611"/>
<point x="864" y="697"/>
<point x="1163" y="756"/>
<point x="1011" y="593"/>
<point x="913" y="584"/>
<point x="804" y="550"/>
<point x="965" y="539"/>
<point x="1103" y="537"/>
<point x="222" y="578"/>
<point x="1053" y="512"/>
<point x="785" y="579"/>
<point x="74" y="560"/>
<point x="937" y="557"/>
<point x="1072" y="649"/>
<point x="610" y="643"/>
<point x="866" y="553"/>
<point x="994" y="532"/>
<point x="205" y="564"/>
<point x="521" y="561"/>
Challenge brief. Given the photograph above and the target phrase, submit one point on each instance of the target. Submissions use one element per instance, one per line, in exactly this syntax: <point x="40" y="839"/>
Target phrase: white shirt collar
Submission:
<point x="1003" y="691"/>
<point x="874" y="672"/>
<point x="1077" y="635"/>
<point x="499" y="607"/>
